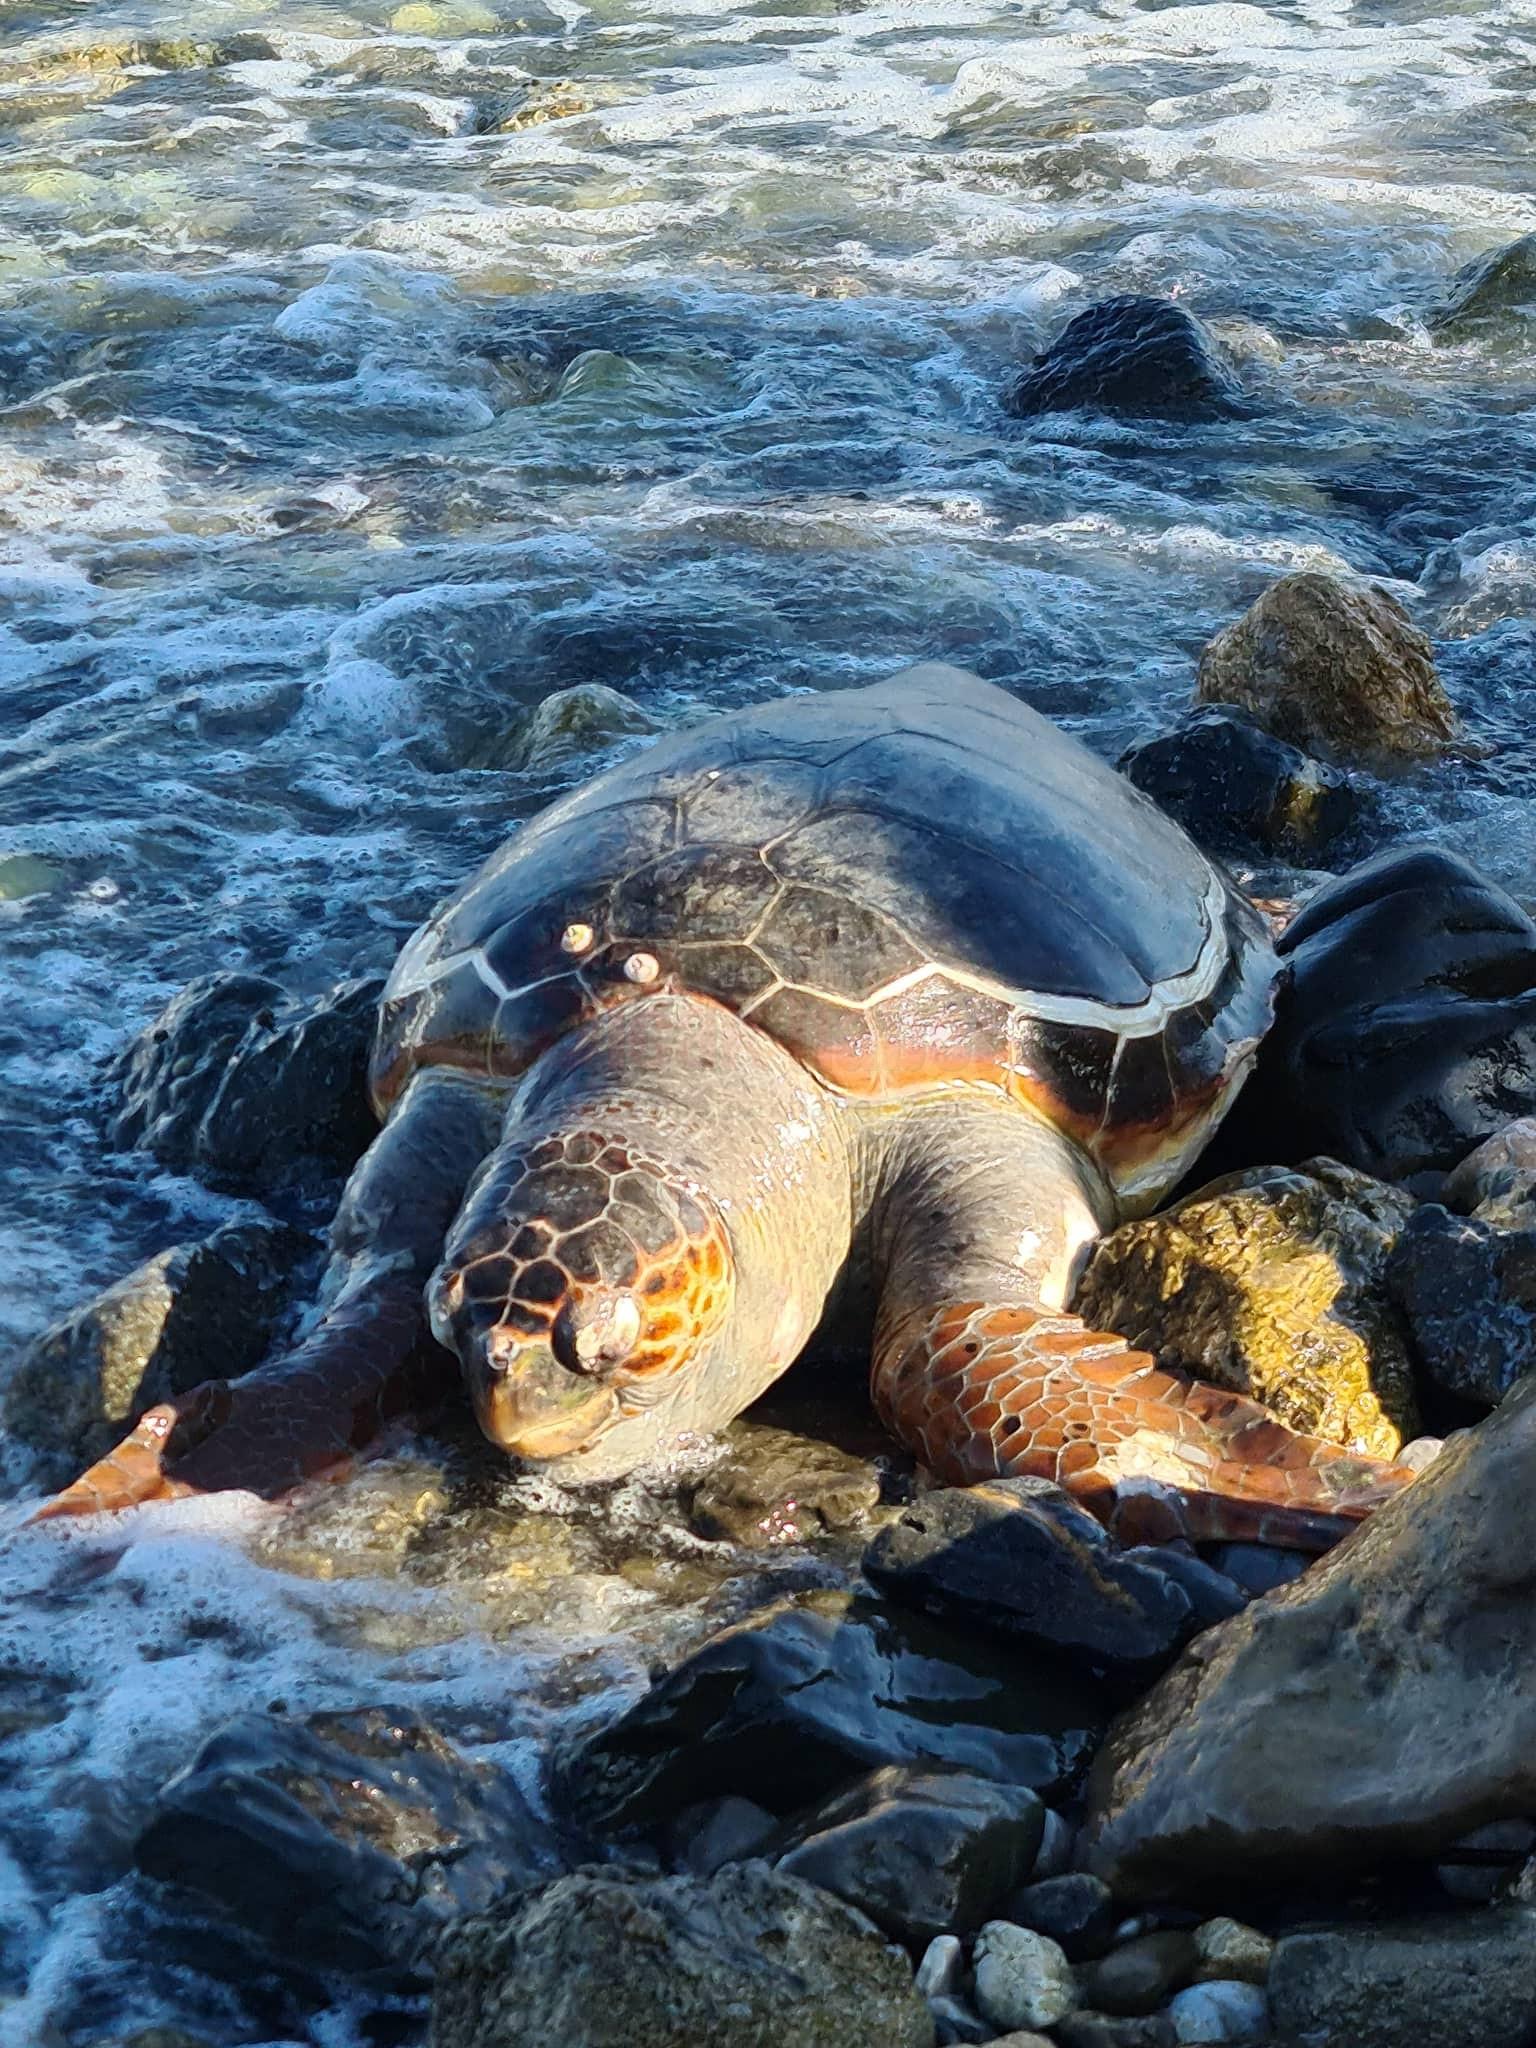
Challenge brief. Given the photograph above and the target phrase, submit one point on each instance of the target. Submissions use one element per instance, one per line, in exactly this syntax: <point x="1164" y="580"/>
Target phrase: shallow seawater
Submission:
<point x="368" y="371"/>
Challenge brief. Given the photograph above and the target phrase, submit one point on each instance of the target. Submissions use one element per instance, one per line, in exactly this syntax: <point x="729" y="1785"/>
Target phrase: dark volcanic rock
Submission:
<point x="1376" y="1710"/>
<point x="706" y="1837"/>
<point x="344" y="1840"/>
<point x="1496" y="1182"/>
<point x="1464" y="1978"/>
<point x="1138" y="1976"/>
<point x="196" y="1312"/>
<point x="1466" y="1292"/>
<point x="1020" y="1560"/>
<point x="1491" y="299"/>
<point x="1239" y="790"/>
<point x="1132" y="355"/>
<point x="1108" y="2030"/>
<point x="1077" y="1911"/>
<point x="751" y="1958"/>
<point x="791" y="1704"/>
<point x="1406" y="1032"/>
<point x="234" y="1081"/>
<point x="922" y="1852"/>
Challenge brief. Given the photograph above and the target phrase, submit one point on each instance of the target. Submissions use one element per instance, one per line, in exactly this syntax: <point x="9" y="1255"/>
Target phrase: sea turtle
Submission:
<point x="893" y="997"/>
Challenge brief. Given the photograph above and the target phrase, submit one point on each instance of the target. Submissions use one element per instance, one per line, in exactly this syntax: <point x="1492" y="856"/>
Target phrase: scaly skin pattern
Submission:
<point x="981" y="1392"/>
<point x="979" y="1221"/>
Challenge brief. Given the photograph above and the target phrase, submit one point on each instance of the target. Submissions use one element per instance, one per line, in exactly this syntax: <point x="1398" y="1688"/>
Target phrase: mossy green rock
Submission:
<point x="750" y="1958"/>
<point x="1271" y="1283"/>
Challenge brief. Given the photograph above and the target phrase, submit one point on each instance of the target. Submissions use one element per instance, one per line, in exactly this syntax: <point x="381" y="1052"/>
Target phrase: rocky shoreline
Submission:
<point x="988" y="1777"/>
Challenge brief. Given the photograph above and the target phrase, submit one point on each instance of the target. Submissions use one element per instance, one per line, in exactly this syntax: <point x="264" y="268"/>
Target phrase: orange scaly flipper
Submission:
<point x="301" y="1416"/>
<point x="981" y="1392"/>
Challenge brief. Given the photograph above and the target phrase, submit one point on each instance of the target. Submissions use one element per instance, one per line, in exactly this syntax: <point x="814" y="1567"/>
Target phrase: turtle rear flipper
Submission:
<point x="370" y="1357"/>
<point x="979" y="1367"/>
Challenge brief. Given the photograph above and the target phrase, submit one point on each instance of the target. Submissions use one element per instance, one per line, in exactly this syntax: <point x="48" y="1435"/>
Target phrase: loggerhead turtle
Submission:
<point x="893" y="995"/>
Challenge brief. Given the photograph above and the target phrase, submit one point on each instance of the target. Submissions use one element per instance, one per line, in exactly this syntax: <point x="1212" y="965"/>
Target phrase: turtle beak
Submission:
<point x="528" y="1404"/>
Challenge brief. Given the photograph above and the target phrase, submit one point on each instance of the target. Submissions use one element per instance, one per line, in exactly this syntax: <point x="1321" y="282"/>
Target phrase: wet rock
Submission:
<point x="922" y="1852"/>
<point x="1496" y="1182"/>
<point x="1237" y="789"/>
<point x="1022" y="1978"/>
<point x="1213" y="1593"/>
<point x="1466" y="1294"/>
<point x="1077" y="1911"/>
<point x="775" y="1486"/>
<point x="750" y="1958"/>
<point x="720" y="1831"/>
<point x="1220" y="2010"/>
<point x="1336" y="668"/>
<point x="1491" y="299"/>
<point x="1406" y="1032"/>
<point x="1107" y="2030"/>
<point x="1131" y="355"/>
<point x="941" y="1972"/>
<point x="790" y="1704"/>
<point x="196" y="1311"/>
<point x="1019" y="1560"/>
<point x="1139" y="1975"/>
<point x="1227" y="1949"/>
<point x="1374" y="1711"/>
<point x="1481" y="1865"/>
<point x="1272" y="1282"/>
<point x="238" y="1083"/>
<point x="955" y="2021"/>
<point x="344" y="1840"/>
<point x="1057" y="1843"/>
<point x="565" y="726"/>
<point x="1468" y="1978"/>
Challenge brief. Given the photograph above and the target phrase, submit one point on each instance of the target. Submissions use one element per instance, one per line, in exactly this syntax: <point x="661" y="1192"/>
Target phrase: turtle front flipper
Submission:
<point x="980" y="1369"/>
<point x="368" y="1359"/>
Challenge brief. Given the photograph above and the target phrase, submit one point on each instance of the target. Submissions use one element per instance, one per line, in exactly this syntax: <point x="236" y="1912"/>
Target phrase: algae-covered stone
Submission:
<point x="567" y="725"/>
<point x="750" y="1958"/>
<point x="1492" y="298"/>
<point x="198" y="1311"/>
<point x="1336" y="668"/>
<point x="1271" y="1283"/>
<point x="775" y="1486"/>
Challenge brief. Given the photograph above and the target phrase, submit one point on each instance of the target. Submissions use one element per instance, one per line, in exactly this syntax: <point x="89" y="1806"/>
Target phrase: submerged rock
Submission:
<point x="776" y="1486"/>
<point x="235" y="1081"/>
<point x="1018" y="1559"/>
<point x="567" y="725"/>
<point x="922" y="1852"/>
<point x="792" y="1703"/>
<point x="1468" y="1978"/>
<point x="344" y="1840"/>
<point x="1131" y="355"/>
<point x="1405" y="1032"/>
<point x="751" y="1958"/>
<point x="198" y="1310"/>
<point x="1333" y="667"/>
<point x="1492" y="298"/>
<point x="1237" y="789"/>
<point x="1272" y="1283"/>
<point x="1377" y="1709"/>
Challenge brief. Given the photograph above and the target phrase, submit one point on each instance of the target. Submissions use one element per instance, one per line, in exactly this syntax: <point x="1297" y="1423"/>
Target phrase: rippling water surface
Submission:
<point x="369" y="371"/>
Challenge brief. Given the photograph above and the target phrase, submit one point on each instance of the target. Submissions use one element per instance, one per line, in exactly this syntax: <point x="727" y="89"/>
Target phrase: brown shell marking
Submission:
<point x="579" y="1216"/>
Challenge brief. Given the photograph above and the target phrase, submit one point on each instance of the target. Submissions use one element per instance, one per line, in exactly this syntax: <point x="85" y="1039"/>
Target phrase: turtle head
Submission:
<point x="581" y="1287"/>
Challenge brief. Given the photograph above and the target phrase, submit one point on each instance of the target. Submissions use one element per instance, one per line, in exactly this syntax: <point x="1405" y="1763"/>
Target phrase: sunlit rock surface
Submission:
<point x="1371" y="1712"/>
